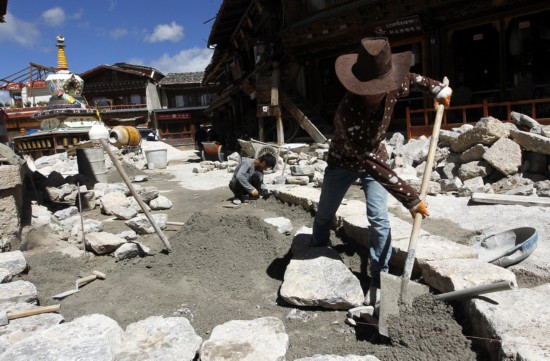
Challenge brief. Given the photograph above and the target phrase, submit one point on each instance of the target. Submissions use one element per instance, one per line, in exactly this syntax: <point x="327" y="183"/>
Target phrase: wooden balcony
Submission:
<point x="420" y="121"/>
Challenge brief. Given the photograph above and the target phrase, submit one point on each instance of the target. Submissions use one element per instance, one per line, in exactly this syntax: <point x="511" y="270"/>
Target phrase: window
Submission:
<point x="206" y="99"/>
<point x="135" y="99"/>
<point x="101" y="102"/>
<point x="182" y="101"/>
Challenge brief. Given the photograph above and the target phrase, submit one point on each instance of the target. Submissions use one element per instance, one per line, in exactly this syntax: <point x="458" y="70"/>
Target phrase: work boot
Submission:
<point x="372" y="297"/>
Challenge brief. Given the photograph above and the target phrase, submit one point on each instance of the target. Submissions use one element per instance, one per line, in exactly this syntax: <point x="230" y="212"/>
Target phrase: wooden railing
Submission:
<point x="120" y="107"/>
<point x="420" y="121"/>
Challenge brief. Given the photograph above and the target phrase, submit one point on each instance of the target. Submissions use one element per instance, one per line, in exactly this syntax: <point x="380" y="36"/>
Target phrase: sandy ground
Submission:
<point x="228" y="264"/>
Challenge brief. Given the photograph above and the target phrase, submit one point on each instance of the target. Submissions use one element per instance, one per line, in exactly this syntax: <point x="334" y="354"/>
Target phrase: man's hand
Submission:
<point x="254" y="193"/>
<point x="443" y="97"/>
<point x="420" y="208"/>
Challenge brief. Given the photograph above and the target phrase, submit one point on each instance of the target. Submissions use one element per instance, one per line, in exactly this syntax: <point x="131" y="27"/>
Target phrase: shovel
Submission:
<point x="396" y="290"/>
<point x="80" y="282"/>
<point x="5" y="317"/>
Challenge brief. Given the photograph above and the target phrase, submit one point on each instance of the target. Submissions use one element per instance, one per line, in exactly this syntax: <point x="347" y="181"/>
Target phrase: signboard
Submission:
<point x="39" y="84"/>
<point x="173" y="116"/>
<point x="13" y="86"/>
<point x="405" y="26"/>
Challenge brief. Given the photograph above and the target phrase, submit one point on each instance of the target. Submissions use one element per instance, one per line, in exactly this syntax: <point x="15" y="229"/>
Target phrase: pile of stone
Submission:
<point x="114" y="199"/>
<point x="490" y="157"/>
<point x="300" y="168"/>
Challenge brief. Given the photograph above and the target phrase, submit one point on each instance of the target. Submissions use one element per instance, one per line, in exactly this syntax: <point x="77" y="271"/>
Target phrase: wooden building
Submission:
<point x="125" y="94"/>
<point x="493" y="52"/>
<point x="183" y="99"/>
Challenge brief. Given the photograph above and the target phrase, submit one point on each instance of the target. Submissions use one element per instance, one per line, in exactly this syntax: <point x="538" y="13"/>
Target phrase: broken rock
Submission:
<point x="141" y="224"/>
<point x="103" y="242"/>
<point x="161" y="202"/>
<point x="159" y="338"/>
<point x="265" y="339"/>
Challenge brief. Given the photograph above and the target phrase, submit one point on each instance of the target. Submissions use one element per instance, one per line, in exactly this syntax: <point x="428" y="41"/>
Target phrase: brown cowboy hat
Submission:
<point x="374" y="69"/>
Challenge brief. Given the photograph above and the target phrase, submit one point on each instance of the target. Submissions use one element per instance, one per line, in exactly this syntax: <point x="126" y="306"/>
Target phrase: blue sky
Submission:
<point x="169" y="35"/>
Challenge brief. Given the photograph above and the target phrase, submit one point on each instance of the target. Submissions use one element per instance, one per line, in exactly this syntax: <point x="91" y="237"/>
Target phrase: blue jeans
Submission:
<point x="335" y="185"/>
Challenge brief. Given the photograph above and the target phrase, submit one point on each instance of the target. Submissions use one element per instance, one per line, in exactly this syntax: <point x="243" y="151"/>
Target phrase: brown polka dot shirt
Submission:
<point x="357" y="143"/>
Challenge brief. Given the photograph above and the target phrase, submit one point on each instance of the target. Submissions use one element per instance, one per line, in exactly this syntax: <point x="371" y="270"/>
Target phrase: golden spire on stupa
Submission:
<point x="61" y="58"/>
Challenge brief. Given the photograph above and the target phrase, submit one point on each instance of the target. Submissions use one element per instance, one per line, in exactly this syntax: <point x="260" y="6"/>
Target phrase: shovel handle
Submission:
<point x="85" y="280"/>
<point x="32" y="312"/>
<point x="411" y="253"/>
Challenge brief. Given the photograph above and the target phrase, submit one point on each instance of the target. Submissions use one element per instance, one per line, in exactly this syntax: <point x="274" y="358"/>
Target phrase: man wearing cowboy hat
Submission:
<point x="375" y="78"/>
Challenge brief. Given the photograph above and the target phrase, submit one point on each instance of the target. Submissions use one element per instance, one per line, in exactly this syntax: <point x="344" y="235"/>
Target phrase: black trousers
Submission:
<point x="256" y="180"/>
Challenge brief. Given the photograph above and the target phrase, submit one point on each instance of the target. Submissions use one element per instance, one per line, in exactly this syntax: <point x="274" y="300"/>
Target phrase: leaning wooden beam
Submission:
<point x="301" y="118"/>
<point x="118" y="166"/>
<point x="510" y="199"/>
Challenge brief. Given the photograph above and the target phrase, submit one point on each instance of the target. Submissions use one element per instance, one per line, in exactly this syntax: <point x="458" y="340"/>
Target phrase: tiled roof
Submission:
<point x="182" y="78"/>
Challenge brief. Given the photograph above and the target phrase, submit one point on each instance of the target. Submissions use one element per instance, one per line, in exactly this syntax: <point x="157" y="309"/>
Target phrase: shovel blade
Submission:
<point x="395" y="290"/>
<point x="61" y="296"/>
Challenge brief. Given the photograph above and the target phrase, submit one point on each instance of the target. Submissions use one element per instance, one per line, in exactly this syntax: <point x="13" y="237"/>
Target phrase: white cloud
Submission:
<point x="54" y="16"/>
<point x="188" y="60"/>
<point x="77" y="15"/>
<point x="112" y="5"/>
<point x="19" y="31"/>
<point x="166" y="32"/>
<point x="4" y="97"/>
<point x="118" y="33"/>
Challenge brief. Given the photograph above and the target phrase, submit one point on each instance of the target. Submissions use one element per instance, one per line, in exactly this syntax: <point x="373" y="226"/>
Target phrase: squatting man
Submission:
<point x="248" y="178"/>
<point x="374" y="79"/>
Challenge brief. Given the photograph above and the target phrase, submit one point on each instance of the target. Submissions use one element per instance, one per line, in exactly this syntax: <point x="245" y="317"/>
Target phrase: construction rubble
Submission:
<point x="492" y="157"/>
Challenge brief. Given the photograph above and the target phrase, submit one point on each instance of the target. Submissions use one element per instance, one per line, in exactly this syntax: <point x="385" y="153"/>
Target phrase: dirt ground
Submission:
<point x="228" y="264"/>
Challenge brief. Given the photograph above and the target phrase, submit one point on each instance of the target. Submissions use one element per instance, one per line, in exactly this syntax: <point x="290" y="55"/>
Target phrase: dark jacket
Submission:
<point x="357" y="143"/>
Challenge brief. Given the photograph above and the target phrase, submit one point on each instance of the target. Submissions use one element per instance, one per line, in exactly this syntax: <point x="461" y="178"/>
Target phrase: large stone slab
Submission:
<point x="14" y="262"/>
<point x="531" y="142"/>
<point x="18" y="291"/>
<point x="428" y="248"/>
<point x="159" y="338"/>
<point x="486" y="131"/>
<point x="356" y="227"/>
<point x="262" y="339"/>
<point x="519" y="319"/>
<point x="458" y="274"/>
<point x="306" y="197"/>
<point x="87" y="338"/>
<point x="349" y="208"/>
<point x="103" y="242"/>
<point x="317" y="276"/>
<point x="141" y="224"/>
<point x="505" y="156"/>
<point x="20" y="328"/>
<point x="112" y="200"/>
<point x="10" y="176"/>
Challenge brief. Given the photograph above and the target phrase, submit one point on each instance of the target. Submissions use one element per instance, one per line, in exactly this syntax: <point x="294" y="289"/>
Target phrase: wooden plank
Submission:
<point x="300" y="117"/>
<point x="510" y="199"/>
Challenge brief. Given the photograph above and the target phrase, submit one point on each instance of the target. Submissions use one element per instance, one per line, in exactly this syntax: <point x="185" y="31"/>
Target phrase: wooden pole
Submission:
<point x="275" y="81"/>
<point x="261" y="130"/>
<point x="142" y="204"/>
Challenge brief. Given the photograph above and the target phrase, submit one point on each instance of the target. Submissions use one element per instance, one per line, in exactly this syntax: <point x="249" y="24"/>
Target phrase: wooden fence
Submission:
<point x="420" y="121"/>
